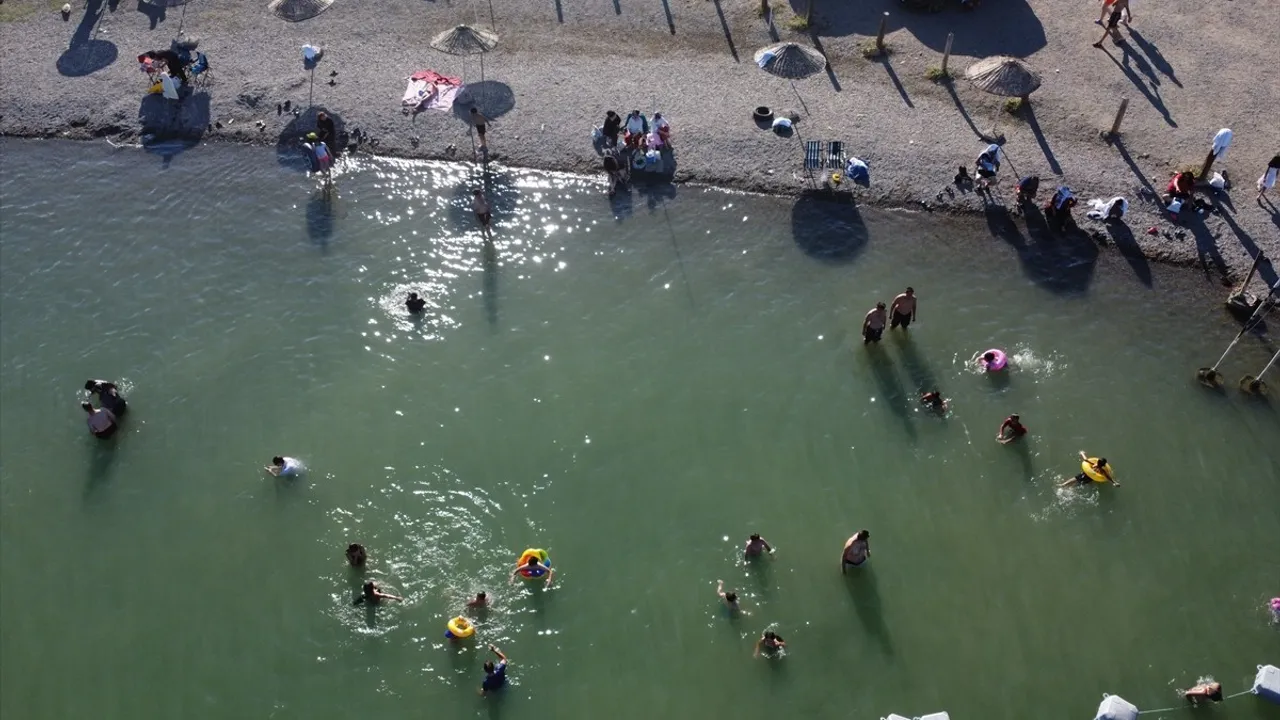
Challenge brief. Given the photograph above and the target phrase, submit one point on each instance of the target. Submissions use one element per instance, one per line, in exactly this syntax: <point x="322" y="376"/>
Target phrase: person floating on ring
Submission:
<point x="1092" y="470"/>
<point x="533" y="567"/>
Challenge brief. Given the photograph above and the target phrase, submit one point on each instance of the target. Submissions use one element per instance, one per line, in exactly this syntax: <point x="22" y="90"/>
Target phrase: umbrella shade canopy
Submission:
<point x="298" y="10"/>
<point x="790" y="60"/>
<point x="1003" y="75"/>
<point x="465" y="40"/>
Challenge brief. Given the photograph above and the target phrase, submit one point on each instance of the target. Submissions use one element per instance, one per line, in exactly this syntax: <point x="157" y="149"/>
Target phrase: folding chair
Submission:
<point x="201" y="73"/>
<point x="812" y="155"/>
<point x="835" y="155"/>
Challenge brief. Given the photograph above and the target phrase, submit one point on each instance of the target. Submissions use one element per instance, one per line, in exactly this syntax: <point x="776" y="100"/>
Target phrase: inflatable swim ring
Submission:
<point x="995" y="365"/>
<point x="1094" y="475"/>
<point x="543" y="560"/>
<point x="459" y="628"/>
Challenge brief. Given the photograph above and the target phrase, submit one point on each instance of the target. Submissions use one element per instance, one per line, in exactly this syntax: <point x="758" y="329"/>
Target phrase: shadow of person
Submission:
<point x="321" y="215"/>
<point x="86" y="53"/>
<point x="918" y="369"/>
<point x="154" y="11"/>
<point x="289" y="150"/>
<point x="492" y="98"/>
<point x="1122" y="236"/>
<point x="1206" y="244"/>
<point x="828" y="227"/>
<point x="172" y="126"/>
<point x="1153" y="54"/>
<point x="489" y="289"/>
<point x="1022" y="448"/>
<point x="622" y="203"/>
<point x="1152" y="97"/>
<point x="1061" y="263"/>
<point x="892" y="394"/>
<point x="865" y="596"/>
<point x="655" y="192"/>
<point x="101" y="467"/>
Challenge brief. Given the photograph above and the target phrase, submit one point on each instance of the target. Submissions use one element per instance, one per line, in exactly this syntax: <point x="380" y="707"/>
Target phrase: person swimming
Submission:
<point x="756" y="546"/>
<point x="770" y="643"/>
<point x="415" y="304"/>
<point x="108" y="396"/>
<point x="857" y="550"/>
<point x="730" y="599"/>
<point x="282" y="466"/>
<point x="1011" y="429"/>
<point x="102" y="423"/>
<point x="1101" y="467"/>
<point x="934" y="401"/>
<point x="372" y="594"/>
<point x="535" y="569"/>
<point x="356" y="555"/>
<point x="481" y="601"/>
<point x="495" y="676"/>
<point x="1204" y="691"/>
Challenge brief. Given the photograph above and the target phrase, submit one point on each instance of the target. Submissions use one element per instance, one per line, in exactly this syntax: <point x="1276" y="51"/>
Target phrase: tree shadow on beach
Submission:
<point x="827" y="226"/>
<point x="1147" y="192"/>
<point x="1061" y="263"/>
<point x="1128" y="246"/>
<point x="893" y="77"/>
<point x="1041" y="140"/>
<point x="87" y="53"/>
<point x="289" y="151"/>
<point x="1012" y="30"/>
<point x="724" y="27"/>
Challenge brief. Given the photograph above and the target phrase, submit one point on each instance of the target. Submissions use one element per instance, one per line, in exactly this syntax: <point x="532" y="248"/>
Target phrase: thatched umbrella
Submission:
<point x="298" y="10"/>
<point x="465" y="40"/>
<point x="1003" y="75"/>
<point x="790" y="60"/>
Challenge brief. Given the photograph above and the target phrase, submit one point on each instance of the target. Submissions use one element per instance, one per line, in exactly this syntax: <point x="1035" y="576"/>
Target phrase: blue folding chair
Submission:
<point x="201" y="73"/>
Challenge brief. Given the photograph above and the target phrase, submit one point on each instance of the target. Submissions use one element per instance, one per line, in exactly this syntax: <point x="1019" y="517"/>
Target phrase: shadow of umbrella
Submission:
<point x="493" y="98"/>
<point x="828" y="226"/>
<point x="464" y="40"/>
<point x="288" y="150"/>
<point x="85" y="53"/>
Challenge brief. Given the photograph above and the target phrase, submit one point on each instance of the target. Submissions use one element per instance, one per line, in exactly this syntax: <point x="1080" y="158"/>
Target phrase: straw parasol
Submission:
<point x="465" y="40"/>
<point x="790" y="60"/>
<point x="298" y="10"/>
<point x="1003" y="75"/>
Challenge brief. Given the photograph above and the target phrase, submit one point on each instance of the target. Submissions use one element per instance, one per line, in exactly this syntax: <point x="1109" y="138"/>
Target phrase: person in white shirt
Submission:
<point x="284" y="466"/>
<point x="636" y="128"/>
<point x="101" y="422"/>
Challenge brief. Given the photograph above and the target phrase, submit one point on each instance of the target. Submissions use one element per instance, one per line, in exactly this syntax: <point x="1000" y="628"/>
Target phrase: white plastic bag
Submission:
<point x="1217" y="181"/>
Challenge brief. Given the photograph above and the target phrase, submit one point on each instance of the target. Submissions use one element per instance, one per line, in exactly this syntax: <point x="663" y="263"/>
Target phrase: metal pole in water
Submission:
<point x="1254" y="385"/>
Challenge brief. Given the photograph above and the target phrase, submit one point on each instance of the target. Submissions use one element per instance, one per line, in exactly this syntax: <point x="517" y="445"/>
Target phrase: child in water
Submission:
<point x="771" y="643"/>
<point x="934" y="401"/>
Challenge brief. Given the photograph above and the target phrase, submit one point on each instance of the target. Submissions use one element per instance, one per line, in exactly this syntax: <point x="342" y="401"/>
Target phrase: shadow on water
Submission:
<point x="1062" y="264"/>
<point x="828" y="227"/>
<point x="861" y="584"/>
<point x="1127" y="244"/>
<point x="918" y="369"/>
<point x="494" y="99"/>
<point x="322" y="216"/>
<point x="289" y="150"/>
<point x="490" y="286"/>
<point x="102" y="465"/>
<point x="1022" y="448"/>
<point x="86" y="53"/>
<point x="892" y="394"/>
<point x="1014" y="30"/>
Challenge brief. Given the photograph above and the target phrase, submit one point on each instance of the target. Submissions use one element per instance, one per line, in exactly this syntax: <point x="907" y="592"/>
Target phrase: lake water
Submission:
<point x="635" y="386"/>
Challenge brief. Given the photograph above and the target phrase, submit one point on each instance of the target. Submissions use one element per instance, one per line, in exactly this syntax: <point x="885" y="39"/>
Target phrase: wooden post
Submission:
<point x="808" y="11"/>
<point x="1115" y="126"/>
<point x="946" y="53"/>
<point x="884" y="20"/>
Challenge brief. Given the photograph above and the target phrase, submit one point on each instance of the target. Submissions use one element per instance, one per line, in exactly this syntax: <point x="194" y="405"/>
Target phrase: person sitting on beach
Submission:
<point x="612" y="127"/>
<point x="535" y="568"/>
<point x="756" y="546"/>
<point x="962" y="179"/>
<point x="857" y="550"/>
<point x="481" y="601"/>
<point x="415" y="304"/>
<point x="109" y="396"/>
<point x="102" y="423"/>
<point x="662" y="128"/>
<point x="614" y="169"/>
<point x="481" y="124"/>
<point x="372" y="594"/>
<point x="934" y="401"/>
<point x="1011" y="429"/>
<point x="1101" y="468"/>
<point x="730" y="599"/>
<point x="1059" y="206"/>
<point x="1180" y="186"/>
<point x="282" y="466"/>
<point x="1204" y="691"/>
<point x="770" y="643"/>
<point x="873" y="324"/>
<point x="637" y="128"/>
<point x="987" y="165"/>
<point x="318" y="152"/>
<point x="326" y="131"/>
<point x="356" y="555"/>
<point x="495" y="676"/>
<point x="1027" y="189"/>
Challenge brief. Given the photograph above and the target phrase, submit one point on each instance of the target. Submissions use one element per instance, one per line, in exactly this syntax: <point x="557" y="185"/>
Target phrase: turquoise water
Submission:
<point x="635" y="387"/>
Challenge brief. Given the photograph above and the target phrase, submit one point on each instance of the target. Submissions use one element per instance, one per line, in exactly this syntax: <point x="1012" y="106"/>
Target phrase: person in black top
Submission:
<point x="415" y="304"/>
<point x="108" y="396"/>
<point x="612" y="126"/>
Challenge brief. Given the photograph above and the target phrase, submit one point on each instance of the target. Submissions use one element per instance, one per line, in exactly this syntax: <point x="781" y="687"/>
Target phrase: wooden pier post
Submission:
<point x="946" y="53"/>
<point x="884" y="21"/>
<point x="1115" y="126"/>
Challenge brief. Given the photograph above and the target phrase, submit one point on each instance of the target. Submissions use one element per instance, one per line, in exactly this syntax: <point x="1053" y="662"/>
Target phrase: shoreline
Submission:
<point x="558" y="77"/>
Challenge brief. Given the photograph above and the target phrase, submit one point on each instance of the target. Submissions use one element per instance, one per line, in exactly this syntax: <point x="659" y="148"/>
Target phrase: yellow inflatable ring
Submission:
<point x="1094" y="475"/>
<point x="543" y="560"/>
<point x="459" y="628"/>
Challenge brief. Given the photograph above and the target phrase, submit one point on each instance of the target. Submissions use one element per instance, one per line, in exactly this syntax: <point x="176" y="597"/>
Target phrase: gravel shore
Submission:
<point x="1188" y="69"/>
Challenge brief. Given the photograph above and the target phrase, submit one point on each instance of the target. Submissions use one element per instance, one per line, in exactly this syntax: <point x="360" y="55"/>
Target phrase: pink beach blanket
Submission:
<point x="429" y="90"/>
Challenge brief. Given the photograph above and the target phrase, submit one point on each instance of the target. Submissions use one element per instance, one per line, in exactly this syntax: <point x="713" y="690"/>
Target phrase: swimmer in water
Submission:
<point x="1101" y="467"/>
<point x="101" y="422"/>
<point x="282" y="466"/>
<point x="987" y="359"/>
<point x="481" y="601"/>
<point x="1011" y="429"/>
<point x="1204" y="691"/>
<point x="770" y="643"/>
<point x="857" y="551"/>
<point x="356" y="556"/>
<point x="873" y="324"/>
<point x="415" y="304"/>
<point x="756" y="546"/>
<point x="535" y="568"/>
<point x="495" y="676"/>
<point x="730" y="599"/>
<point x="934" y="401"/>
<point x="371" y="594"/>
<point x="109" y="396"/>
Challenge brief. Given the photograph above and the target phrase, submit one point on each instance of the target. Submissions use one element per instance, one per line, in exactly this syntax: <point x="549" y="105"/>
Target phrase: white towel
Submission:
<point x="1221" y="142"/>
<point x="1101" y="210"/>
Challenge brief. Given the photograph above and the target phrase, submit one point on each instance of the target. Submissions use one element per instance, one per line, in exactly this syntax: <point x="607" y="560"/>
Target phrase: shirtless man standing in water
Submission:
<point x="903" y="309"/>
<point x="857" y="550"/>
<point x="873" y="324"/>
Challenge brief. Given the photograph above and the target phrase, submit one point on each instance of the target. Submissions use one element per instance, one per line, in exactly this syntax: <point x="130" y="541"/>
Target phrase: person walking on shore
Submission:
<point x="1110" y="6"/>
<point x="481" y="124"/>
<point x="873" y="324"/>
<point x="1118" y="8"/>
<point x="903" y="310"/>
<point x="1268" y="179"/>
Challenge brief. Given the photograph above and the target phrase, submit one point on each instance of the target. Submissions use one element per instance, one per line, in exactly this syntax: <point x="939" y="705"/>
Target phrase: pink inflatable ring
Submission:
<point x="993" y="360"/>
